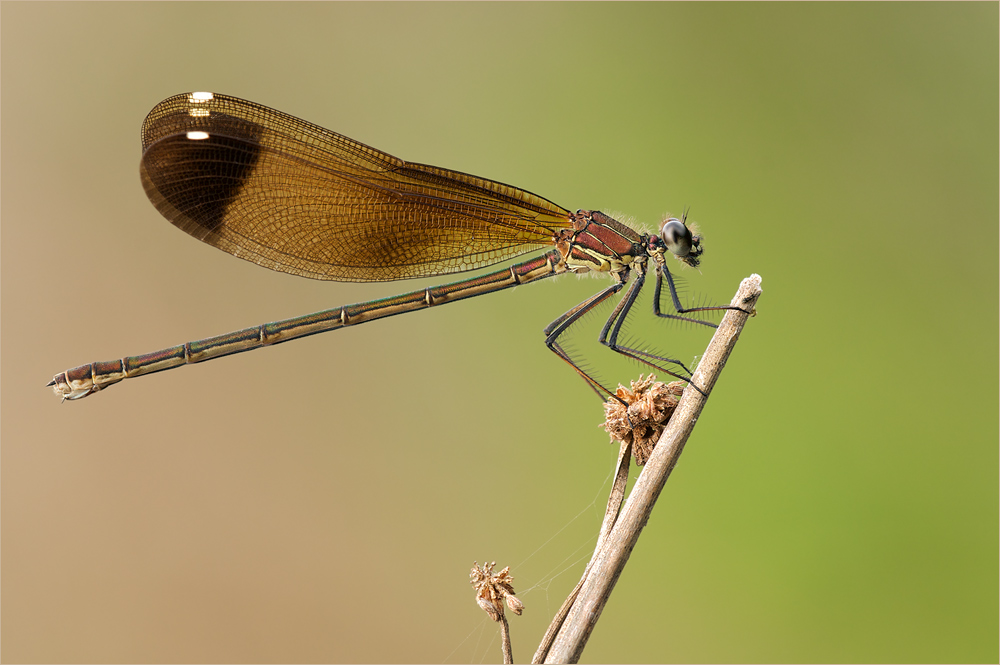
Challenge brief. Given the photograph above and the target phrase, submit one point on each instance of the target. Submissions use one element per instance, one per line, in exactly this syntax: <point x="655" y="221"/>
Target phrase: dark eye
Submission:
<point x="677" y="237"/>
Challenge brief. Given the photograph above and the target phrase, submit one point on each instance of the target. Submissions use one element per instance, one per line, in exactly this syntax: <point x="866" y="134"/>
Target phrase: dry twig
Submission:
<point x="615" y="500"/>
<point x="588" y="599"/>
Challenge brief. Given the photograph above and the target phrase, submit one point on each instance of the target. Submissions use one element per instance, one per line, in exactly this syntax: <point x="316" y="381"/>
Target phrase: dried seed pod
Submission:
<point x="648" y="405"/>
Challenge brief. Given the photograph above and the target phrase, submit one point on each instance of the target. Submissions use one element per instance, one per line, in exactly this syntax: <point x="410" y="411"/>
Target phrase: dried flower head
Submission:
<point x="493" y="590"/>
<point x="650" y="403"/>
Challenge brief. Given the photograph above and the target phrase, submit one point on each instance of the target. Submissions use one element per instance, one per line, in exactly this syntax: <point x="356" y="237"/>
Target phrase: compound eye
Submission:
<point x="677" y="237"/>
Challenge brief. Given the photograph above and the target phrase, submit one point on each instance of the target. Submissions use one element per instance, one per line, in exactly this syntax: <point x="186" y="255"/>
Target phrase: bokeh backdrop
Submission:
<point x="324" y="500"/>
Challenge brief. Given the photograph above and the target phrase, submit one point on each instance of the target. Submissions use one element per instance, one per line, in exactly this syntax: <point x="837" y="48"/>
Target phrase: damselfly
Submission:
<point x="292" y="196"/>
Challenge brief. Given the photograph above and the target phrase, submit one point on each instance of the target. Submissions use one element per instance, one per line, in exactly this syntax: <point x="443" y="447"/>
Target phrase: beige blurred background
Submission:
<point x="323" y="501"/>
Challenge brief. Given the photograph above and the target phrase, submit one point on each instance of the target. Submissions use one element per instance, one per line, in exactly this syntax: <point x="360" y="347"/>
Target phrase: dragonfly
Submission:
<point x="294" y="197"/>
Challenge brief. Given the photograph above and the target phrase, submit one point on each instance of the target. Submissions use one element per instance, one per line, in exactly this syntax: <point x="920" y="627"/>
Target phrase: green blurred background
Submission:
<point x="324" y="500"/>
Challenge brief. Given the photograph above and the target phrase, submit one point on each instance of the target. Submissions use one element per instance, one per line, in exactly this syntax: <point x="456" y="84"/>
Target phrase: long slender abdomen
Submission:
<point x="88" y="379"/>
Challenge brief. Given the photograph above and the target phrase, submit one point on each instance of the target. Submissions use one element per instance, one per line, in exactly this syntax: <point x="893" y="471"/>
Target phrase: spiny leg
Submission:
<point x="560" y="325"/>
<point x="663" y="272"/>
<point x="609" y="335"/>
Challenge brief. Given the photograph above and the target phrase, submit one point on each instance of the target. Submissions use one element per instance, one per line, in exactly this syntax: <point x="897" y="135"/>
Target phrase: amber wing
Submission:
<point x="291" y="196"/>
